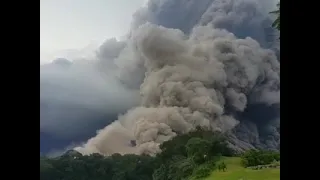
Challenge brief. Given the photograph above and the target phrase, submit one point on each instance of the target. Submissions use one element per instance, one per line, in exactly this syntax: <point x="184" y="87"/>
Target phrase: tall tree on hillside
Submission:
<point x="276" y="23"/>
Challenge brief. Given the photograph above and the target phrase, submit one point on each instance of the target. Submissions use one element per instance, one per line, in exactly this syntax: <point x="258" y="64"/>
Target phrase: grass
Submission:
<point x="236" y="172"/>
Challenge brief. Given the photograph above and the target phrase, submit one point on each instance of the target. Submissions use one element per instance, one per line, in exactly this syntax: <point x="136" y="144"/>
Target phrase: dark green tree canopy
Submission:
<point x="276" y="23"/>
<point x="190" y="155"/>
<point x="181" y="157"/>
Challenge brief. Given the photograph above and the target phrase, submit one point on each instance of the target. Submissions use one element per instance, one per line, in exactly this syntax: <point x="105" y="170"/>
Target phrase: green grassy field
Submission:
<point x="236" y="172"/>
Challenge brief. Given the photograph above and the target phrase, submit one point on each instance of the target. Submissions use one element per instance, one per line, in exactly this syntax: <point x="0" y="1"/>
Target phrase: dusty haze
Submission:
<point x="211" y="64"/>
<point x="188" y="82"/>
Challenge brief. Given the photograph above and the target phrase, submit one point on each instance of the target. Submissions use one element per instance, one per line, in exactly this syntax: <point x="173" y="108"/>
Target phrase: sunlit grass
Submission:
<point x="237" y="172"/>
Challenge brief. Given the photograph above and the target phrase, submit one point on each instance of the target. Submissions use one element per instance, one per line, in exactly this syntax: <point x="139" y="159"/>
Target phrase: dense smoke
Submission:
<point x="195" y="64"/>
<point x="241" y="17"/>
<point x="188" y="83"/>
<point x="75" y="97"/>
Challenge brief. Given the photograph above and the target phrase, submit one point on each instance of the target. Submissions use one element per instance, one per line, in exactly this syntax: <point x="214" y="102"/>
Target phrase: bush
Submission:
<point x="180" y="169"/>
<point x="202" y="171"/>
<point x="259" y="157"/>
<point x="185" y="155"/>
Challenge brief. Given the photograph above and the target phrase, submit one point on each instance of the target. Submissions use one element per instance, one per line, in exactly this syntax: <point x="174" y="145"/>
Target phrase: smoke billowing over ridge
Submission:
<point x="200" y="75"/>
<point x="188" y="82"/>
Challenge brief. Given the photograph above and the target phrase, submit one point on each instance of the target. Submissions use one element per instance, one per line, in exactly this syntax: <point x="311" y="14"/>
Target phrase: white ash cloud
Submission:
<point x="188" y="82"/>
<point x="202" y="76"/>
<point x="241" y="17"/>
<point x="244" y="18"/>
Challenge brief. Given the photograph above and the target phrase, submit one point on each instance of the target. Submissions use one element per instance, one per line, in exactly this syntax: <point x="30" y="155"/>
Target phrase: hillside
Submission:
<point x="236" y="171"/>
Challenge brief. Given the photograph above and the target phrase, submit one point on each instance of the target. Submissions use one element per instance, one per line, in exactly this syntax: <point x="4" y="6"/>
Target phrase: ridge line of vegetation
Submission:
<point x="189" y="156"/>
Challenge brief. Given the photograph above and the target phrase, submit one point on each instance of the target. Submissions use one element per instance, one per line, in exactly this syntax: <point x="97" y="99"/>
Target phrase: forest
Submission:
<point x="193" y="155"/>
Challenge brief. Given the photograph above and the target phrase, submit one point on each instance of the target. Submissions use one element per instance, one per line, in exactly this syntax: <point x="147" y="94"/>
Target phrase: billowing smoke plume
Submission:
<point x="188" y="83"/>
<point x="241" y="17"/>
<point x="75" y="98"/>
<point x="194" y="63"/>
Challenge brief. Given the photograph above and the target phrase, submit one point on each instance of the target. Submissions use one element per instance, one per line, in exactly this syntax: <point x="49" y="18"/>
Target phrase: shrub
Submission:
<point x="202" y="171"/>
<point x="259" y="157"/>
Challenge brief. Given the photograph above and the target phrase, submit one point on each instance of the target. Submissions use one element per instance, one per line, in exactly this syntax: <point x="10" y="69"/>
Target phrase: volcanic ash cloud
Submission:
<point x="189" y="81"/>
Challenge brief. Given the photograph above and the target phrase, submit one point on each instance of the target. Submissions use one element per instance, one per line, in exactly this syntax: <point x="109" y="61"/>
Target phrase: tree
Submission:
<point x="222" y="166"/>
<point x="198" y="149"/>
<point x="202" y="171"/>
<point x="259" y="157"/>
<point x="160" y="173"/>
<point x="181" y="157"/>
<point x="276" y="23"/>
<point x="181" y="169"/>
